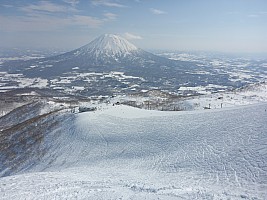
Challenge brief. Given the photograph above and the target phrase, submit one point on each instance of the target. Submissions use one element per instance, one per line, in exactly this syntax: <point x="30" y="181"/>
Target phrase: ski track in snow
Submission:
<point x="122" y="152"/>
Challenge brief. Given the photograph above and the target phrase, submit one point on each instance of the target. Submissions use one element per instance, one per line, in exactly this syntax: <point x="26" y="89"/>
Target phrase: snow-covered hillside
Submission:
<point x="253" y="94"/>
<point x="120" y="152"/>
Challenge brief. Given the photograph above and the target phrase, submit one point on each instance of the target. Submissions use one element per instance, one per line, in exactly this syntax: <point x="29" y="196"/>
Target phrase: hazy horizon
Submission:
<point x="215" y="26"/>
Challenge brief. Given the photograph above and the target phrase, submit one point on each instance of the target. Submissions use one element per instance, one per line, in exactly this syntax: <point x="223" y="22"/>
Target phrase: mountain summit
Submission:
<point x="109" y="45"/>
<point x="108" y="49"/>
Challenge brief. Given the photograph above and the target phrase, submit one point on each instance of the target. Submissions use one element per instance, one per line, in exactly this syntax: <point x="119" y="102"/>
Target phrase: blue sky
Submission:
<point x="209" y="25"/>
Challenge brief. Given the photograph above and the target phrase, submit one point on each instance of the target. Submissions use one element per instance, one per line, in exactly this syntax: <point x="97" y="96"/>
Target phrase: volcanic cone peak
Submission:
<point x="109" y="45"/>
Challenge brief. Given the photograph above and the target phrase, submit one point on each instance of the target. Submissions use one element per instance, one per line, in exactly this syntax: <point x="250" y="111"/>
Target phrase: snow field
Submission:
<point x="122" y="152"/>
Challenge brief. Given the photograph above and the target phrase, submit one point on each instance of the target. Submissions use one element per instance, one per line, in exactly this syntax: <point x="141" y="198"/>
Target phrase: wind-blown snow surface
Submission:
<point x="125" y="153"/>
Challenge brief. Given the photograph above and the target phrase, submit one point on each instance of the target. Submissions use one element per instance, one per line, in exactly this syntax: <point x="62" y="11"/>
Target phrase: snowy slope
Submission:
<point x="109" y="45"/>
<point x="253" y="94"/>
<point x="126" y="153"/>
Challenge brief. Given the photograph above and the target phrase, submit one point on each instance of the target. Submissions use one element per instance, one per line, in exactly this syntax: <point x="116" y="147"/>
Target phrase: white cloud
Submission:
<point x="110" y="16"/>
<point x="130" y="36"/>
<point x="72" y="2"/>
<point x="8" y="6"/>
<point x="45" y="15"/>
<point x="253" y="16"/>
<point x="157" y="12"/>
<point x="257" y="14"/>
<point x="42" y="22"/>
<point x="84" y="20"/>
<point x="107" y="3"/>
<point x="23" y="23"/>
<point x="45" y="6"/>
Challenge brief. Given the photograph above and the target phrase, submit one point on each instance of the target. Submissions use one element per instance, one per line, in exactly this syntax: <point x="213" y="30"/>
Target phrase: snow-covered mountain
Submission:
<point x="108" y="45"/>
<point x="110" y="49"/>
<point x="105" y="53"/>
